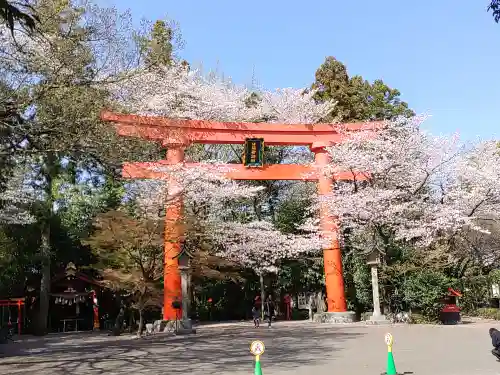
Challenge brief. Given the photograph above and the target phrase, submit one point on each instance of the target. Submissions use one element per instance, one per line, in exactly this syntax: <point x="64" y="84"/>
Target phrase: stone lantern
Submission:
<point x="373" y="260"/>
<point x="184" y="259"/>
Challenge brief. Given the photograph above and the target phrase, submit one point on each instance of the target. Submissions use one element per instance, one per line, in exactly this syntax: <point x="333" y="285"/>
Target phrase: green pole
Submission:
<point x="258" y="369"/>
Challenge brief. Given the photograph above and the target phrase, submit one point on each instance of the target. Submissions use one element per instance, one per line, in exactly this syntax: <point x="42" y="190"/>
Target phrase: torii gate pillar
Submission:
<point x="332" y="256"/>
<point x="173" y="236"/>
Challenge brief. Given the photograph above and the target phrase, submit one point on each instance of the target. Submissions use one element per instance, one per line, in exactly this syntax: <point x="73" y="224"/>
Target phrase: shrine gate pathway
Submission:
<point x="291" y="348"/>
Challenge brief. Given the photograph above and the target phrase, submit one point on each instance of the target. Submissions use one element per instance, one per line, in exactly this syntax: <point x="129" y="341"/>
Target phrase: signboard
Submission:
<point x="254" y="152"/>
<point x="257" y="348"/>
<point x="388" y="339"/>
<point x="495" y="289"/>
<point x="304" y="299"/>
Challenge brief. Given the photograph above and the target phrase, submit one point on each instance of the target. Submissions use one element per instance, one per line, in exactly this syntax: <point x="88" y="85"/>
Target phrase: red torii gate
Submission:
<point x="177" y="134"/>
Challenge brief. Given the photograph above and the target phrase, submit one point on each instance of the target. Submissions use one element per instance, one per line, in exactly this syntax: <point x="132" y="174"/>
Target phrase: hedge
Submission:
<point x="488" y="313"/>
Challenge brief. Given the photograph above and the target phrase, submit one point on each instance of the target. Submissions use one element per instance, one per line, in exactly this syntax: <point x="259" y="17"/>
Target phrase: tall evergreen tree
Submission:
<point x="357" y="99"/>
<point x="59" y="78"/>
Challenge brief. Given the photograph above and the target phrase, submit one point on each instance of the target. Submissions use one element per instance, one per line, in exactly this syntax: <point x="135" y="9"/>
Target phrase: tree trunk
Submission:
<point x="141" y="322"/>
<point x="43" y="312"/>
<point x="194" y="305"/>
<point x="49" y="172"/>
<point x="310" y="306"/>
<point x="262" y="295"/>
<point x="257" y="208"/>
<point x="117" y="329"/>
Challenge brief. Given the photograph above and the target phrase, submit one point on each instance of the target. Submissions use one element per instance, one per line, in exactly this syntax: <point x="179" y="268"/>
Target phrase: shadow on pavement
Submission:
<point x="213" y="351"/>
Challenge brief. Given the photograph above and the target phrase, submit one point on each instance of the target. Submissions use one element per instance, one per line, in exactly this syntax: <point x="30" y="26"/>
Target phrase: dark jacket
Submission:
<point x="495" y="337"/>
<point x="269" y="308"/>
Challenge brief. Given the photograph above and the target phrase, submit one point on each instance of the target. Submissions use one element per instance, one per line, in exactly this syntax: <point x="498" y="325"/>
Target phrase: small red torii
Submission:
<point x="19" y="302"/>
<point x="178" y="134"/>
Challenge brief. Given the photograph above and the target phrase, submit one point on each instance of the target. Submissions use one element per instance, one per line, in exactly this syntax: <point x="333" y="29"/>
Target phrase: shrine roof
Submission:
<point x="79" y="276"/>
<point x="454" y="292"/>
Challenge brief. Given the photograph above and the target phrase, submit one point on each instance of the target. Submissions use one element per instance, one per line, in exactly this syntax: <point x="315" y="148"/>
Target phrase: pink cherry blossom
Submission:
<point x="420" y="186"/>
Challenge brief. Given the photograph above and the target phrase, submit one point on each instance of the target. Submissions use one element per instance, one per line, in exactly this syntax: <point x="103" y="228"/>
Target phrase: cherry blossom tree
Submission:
<point x="15" y="200"/>
<point x="205" y="191"/>
<point x="475" y="189"/>
<point x="177" y="92"/>
<point x="258" y="245"/>
<point x="418" y="187"/>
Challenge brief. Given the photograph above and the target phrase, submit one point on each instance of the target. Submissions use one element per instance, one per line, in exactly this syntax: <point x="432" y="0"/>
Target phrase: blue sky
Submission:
<point x="441" y="54"/>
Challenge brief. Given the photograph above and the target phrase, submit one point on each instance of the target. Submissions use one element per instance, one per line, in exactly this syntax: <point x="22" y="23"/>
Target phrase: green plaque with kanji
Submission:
<point x="253" y="156"/>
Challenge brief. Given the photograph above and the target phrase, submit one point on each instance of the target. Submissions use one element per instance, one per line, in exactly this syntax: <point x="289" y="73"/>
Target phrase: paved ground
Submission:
<point x="291" y="348"/>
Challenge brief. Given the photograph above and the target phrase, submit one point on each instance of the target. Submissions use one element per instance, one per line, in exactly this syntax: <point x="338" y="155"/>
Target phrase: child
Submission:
<point x="256" y="317"/>
<point x="495" y="341"/>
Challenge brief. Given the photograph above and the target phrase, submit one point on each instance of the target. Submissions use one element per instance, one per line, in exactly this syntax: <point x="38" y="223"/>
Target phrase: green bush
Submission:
<point x="487" y="313"/>
<point x="494" y="276"/>
<point x="421" y="319"/>
<point x="358" y="282"/>
<point x="475" y="292"/>
<point x="423" y="290"/>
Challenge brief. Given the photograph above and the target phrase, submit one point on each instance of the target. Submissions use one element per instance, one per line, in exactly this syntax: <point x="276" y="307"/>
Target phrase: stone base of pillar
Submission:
<point x="335" y="317"/>
<point x="378" y="319"/>
<point x="185" y="327"/>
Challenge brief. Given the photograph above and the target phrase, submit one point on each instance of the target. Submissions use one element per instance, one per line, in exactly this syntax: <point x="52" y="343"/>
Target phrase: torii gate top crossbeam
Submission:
<point x="178" y="131"/>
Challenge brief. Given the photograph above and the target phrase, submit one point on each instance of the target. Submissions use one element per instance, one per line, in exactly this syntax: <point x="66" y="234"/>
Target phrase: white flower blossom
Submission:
<point x="420" y="186"/>
<point x="15" y="201"/>
<point x="175" y="92"/>
<point x="259" y="245"/>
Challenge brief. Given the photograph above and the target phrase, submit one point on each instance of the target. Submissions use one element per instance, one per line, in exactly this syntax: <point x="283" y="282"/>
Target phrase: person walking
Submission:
<point x="287" y="300"/>
<point x="269" y="310"/>
<point x="256" y="317"/>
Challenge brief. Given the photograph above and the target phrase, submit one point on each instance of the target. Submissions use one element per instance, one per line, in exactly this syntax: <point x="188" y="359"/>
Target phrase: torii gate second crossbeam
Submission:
<point x="177" y="135"/>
